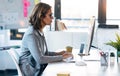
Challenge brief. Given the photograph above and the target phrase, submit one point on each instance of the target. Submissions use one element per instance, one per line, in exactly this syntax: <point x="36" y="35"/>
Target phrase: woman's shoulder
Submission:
<point x="29" y="30"/>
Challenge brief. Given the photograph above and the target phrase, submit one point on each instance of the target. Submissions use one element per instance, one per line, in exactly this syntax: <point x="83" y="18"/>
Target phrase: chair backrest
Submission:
<point x="15" y="57"/>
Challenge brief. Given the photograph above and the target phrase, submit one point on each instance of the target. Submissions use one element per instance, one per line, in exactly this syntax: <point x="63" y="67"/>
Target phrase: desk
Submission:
<point x="93" y="68"/>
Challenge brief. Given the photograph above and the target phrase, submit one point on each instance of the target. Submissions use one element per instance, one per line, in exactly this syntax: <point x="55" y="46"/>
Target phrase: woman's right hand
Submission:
<point x="67" y="55"/>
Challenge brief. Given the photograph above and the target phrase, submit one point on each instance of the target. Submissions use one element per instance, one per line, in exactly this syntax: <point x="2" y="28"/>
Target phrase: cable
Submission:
<point x="96" y="47"/>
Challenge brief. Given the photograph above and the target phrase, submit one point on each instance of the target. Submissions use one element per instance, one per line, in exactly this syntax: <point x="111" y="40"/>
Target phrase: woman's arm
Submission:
<point x="36" y="51"/>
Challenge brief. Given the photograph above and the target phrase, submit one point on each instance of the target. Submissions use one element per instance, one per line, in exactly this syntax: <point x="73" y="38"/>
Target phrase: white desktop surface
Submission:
<point x="93" y="68"/>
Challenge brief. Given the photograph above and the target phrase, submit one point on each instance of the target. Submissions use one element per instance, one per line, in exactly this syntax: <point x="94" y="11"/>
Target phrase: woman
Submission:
<point x="35" y="55"/>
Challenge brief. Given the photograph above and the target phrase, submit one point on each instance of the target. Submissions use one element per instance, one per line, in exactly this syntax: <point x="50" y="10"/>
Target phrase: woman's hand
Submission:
<point x="67" y="55"/>
<point x="61" y="52"/>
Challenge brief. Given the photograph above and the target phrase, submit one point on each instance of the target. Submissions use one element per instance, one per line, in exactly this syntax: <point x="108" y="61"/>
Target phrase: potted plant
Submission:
<point x="115" y="44"/>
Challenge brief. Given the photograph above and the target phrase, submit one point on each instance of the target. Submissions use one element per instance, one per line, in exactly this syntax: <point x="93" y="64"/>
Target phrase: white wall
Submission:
<point x="60" y="39"/>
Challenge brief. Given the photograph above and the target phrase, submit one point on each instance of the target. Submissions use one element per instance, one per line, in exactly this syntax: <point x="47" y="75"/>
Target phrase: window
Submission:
<point x="75" y="13"/>
<point x="113" y="12"/>
<point x="79" y="8"/>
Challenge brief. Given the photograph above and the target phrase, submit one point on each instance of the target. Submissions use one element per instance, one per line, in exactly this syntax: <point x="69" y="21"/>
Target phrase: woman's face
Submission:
<point x="48" y="18"/>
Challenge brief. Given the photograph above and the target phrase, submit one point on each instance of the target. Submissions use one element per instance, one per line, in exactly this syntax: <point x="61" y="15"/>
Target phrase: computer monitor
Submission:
<point x="84" y="52"/>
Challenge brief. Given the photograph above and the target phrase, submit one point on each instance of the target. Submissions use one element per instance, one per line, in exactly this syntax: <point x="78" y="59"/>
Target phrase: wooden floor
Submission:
<point x="8" y="73"/>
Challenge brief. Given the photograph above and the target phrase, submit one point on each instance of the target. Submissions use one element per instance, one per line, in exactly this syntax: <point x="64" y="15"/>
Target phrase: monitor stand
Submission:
<point x="81" y="62"/>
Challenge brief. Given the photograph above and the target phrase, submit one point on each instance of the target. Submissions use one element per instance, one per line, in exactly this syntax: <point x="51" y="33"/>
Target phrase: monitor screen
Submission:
<point x="90" y="38"/>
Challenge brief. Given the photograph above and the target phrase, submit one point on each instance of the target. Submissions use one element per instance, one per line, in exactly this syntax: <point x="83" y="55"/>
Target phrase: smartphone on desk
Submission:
<point x="81" y="48"/>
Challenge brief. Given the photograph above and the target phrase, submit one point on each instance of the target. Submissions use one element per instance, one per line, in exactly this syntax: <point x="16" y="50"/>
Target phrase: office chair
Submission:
<point x="15" y="57"/>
